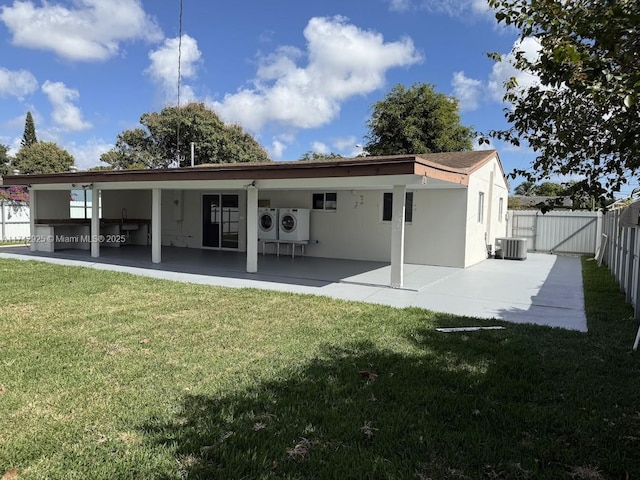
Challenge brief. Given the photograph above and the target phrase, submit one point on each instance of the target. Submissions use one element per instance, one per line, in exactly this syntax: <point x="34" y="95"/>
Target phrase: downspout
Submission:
<point x="489" y="232"/>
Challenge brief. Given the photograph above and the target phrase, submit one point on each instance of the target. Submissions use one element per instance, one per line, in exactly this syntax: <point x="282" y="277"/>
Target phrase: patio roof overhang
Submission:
<point x="368" y="172"/>
<point x="397" y="173"/>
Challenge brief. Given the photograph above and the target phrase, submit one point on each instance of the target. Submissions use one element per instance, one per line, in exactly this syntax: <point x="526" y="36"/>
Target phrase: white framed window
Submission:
<point x="325" y="201"/>
<point x="500" y="209"/>
<point x="481" y="207"/>
<point x="387" y="207"/>
<point x="81" y="203"/>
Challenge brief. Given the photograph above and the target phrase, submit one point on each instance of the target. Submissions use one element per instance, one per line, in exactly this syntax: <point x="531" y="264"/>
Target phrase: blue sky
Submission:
<point x="300" y="76"/>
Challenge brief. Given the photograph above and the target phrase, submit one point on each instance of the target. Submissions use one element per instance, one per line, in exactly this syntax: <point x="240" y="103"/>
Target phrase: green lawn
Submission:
<point x="112" y="376"/>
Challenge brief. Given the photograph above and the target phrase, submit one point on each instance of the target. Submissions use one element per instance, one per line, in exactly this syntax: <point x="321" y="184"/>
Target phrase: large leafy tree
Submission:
<point x="416" y="120"/>
<point x="5" y="160"/>
<point x="43" y="157"/>
<point x="167" y="136"/>
<point x="545" y="189"/>
<point x="29" y="136"/>
<point x="582" y="117"/>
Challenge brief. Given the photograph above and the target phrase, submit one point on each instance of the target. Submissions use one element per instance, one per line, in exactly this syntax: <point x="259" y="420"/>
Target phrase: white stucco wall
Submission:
<point x="53" y="204"/>
<point x="356" y="230"/>
<point x="437" y="236"/>
<point x="136" y="202"/>
<point x="182" y="217"/>
<point x="479" y="234"/>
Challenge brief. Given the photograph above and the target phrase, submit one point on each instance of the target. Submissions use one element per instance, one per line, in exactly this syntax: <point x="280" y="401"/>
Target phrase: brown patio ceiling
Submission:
<point x="453" y="167"/>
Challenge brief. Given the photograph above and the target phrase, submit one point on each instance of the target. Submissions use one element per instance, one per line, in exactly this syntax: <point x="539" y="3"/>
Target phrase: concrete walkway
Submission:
<point x="543" y="289"/>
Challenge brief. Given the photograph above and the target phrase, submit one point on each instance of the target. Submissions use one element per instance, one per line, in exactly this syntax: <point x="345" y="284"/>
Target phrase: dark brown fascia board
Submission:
<point x="366" y="166"/>
<point x="397" y="165"/>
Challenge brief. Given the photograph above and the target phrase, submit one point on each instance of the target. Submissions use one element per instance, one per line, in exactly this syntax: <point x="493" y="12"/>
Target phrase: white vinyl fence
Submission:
<point x="557" y="231"/>
<point x="620" y="252"/>
<point x="590" y="233"/>
<point x="621" y="248"/>
<point x="14" y="221"/>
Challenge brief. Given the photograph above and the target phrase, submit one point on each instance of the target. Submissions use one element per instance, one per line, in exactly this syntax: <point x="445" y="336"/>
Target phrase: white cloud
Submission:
<point x="65" y="114"/>
<point x="345" y="143"/>
<point x="279" y="144"/>
<point x="504" y="70"/>
<point x="319" y="147"/>
<point x="17" y="83"/>
<point x="342" y="61"/>
<point x="357" y="151"/>
<point x="87" y="155"/>
<point x="277" y="148"/>
<point x="14" y="144"/>
<point x="467" y="90"/>
<point x="453" y="8"/>
<point x="287" y="137"/>
<point x="163" y="69"/>
<point x="93" y="30"/>
<point x="472" y="91"/>
<point x="399" y="5"/>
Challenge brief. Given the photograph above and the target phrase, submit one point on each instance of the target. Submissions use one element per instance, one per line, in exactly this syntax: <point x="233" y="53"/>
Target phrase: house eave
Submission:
<point x="386" y="167"/>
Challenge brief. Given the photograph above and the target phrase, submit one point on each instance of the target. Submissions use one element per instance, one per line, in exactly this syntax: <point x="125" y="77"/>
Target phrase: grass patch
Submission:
<point x="13" y="243"/>
<point x="109" y="375"/>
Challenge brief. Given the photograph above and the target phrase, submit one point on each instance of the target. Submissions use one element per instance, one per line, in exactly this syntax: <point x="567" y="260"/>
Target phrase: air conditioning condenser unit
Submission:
<point x="511" y="248"/>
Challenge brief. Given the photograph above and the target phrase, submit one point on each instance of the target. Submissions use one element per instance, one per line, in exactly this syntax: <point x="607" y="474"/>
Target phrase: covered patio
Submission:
<point x="543" y="290"/>
<point x="439" y="209"/>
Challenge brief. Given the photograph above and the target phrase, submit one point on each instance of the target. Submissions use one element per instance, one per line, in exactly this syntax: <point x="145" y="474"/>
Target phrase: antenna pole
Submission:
<point x="179" y="82"/>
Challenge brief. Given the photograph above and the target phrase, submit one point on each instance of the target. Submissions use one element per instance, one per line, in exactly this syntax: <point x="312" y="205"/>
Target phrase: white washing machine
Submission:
<point x="268" y="224"/>
<point x="294" y="224"/>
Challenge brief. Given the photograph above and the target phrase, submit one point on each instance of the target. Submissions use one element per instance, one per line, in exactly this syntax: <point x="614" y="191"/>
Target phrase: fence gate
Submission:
<point x="557" y="231"/>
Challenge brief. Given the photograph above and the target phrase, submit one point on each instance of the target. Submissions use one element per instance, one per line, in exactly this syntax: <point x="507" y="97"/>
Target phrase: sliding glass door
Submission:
<point x="220" y="221"/>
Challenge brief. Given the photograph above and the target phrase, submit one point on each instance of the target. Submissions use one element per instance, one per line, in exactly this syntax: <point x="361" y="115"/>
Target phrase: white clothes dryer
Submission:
<point x="294" y="224"/>
<point x="268" y="224"/>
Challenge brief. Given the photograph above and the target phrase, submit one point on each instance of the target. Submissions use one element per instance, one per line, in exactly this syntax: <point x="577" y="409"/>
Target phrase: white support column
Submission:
<point x="156" y="227"/>
<point x="397" y="236"/>
<point x="33" y="208"/>
<point x="95" y="222"/>
<point x="252" y="230"/>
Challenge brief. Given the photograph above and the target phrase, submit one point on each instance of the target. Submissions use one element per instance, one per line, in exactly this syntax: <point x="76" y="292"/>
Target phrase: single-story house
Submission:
<point x="441" y="209"/>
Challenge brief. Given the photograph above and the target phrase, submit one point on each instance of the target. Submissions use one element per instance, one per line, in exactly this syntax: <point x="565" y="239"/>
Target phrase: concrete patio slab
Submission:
<point x="543" y="289"/>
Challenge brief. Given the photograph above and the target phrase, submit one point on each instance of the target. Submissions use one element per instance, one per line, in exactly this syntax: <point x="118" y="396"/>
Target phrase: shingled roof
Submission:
<point x="467" y="161"/>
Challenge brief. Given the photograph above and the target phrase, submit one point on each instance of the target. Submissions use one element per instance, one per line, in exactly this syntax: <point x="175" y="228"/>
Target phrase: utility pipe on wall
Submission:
<point x="489" y="231"/>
